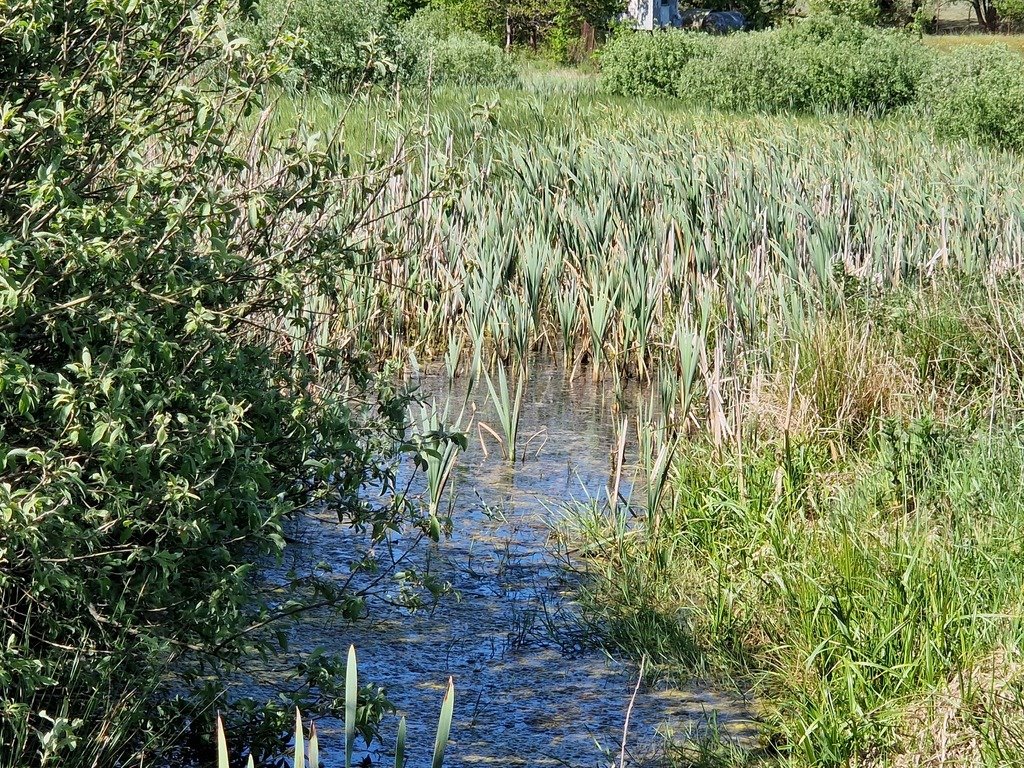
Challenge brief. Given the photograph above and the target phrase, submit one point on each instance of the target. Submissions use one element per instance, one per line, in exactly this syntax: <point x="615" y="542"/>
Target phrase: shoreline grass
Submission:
<point x="830" y="313"/>
<point x="855" y="565"/>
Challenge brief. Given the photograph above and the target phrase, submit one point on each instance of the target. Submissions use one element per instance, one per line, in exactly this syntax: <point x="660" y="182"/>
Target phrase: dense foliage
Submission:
<point x="861" y="11"/>
<point x="821" y="63"/>
<point x="163" y="403"/>
<point x="435" y="50"/>
<point x="826" y="63"/>
<point x="1010" y="10"/>
<point x="342" y="45"/>
<point x="649" y="65"/>
<point x="348" y="45"/>
<point x="978" y="92"/>
<point x="553" y="26"/>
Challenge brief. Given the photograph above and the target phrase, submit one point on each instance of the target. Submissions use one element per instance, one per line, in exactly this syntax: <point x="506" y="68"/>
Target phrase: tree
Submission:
<point x="163" y="405"/>
<point x="538" y="23"/>
<point x="987" y="13"/>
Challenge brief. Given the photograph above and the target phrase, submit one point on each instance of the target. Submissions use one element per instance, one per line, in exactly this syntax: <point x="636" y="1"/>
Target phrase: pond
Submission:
<point x="532" y="688"/>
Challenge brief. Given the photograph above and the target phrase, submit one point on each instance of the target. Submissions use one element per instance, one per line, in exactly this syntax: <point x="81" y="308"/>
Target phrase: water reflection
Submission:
<point x="528" y="690"/>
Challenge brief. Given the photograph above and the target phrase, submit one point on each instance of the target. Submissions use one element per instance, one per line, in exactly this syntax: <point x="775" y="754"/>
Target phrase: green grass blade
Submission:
<point x="444" y="725"/>
<point x="400" y="745"/>
<point x="351" y="694"/>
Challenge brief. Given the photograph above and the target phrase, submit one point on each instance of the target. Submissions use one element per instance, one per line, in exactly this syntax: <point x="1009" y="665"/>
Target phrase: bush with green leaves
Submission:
<point x="850" y="65"/>
<point x="465" y="59"/>
<point x="553" y="27"/>
<point x="754" y="71"/>
<point x="819" y="64"/>
<point x="977" y="92"/>
<point x="431" y="23"/>
<point x="1010" y="10"/>
<point x="165" y="400"/>
<point x="433" y="48"/>
<point x="343" y="44"/>
<point x="860" y="11"/>
<point x="648" y="64"/>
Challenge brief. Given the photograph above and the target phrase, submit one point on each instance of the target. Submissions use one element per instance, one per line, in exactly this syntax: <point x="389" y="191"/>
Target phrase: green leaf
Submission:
<point x="400" y="744"/>
<point x="351" y="697"/>
<point x="444" y="725"/>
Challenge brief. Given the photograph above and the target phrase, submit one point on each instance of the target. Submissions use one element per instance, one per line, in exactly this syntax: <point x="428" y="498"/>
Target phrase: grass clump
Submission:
<point x="833" y="381"/>
<point x="821" y="588"/>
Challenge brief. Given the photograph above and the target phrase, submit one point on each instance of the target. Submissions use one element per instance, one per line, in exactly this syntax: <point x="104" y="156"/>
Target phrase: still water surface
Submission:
<point x="530" y="688"/>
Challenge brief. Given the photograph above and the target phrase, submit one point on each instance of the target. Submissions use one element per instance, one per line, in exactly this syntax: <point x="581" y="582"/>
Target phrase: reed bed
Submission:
<point x="828" y="319"/>
<point x="636" y="243"/>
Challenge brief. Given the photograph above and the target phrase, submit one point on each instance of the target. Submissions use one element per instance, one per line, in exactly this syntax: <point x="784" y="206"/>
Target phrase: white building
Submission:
<point x="653" y="14"/>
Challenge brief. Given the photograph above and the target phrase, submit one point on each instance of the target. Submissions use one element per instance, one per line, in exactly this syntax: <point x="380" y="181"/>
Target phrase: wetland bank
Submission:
<point x="533" y="684"/>
<point x="824" y="319"/>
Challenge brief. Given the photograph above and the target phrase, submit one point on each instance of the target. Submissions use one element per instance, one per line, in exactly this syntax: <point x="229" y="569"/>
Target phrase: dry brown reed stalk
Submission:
<point x="839" y="380"/>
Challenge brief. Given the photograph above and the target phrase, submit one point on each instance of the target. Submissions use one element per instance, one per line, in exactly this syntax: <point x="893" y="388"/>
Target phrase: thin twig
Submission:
<point x="629" y="711"/>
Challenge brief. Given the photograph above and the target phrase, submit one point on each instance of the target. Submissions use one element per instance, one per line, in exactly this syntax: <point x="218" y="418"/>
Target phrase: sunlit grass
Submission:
<point x="828" y="317"/>
<point x="946" y="42"/>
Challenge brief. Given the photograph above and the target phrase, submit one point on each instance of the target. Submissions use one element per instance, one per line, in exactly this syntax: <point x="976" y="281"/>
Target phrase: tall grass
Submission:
<point x="628" y="240"/>
<point x="843" y="608"/>
<point x="855" y="560"/>
<point x="828" y="314"/>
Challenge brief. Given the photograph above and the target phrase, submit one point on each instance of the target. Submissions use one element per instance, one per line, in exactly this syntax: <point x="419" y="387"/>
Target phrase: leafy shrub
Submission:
<point x="748" y="71"/>
<point x="466" y="59"/>
<point x="160" y="411"/>
<point x="827" y="63"/>
<point x="644" y="64"/>
<point x="977" y="92"/>
<point x="344" y="43"/>
<point x="850" y="65"/>
<point x="433" y="47"/>
<point x="758" y="13"/>
<point x="1010" y="10"/>
<point x="429" y="24"/>
<point x="860" y="11"/>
